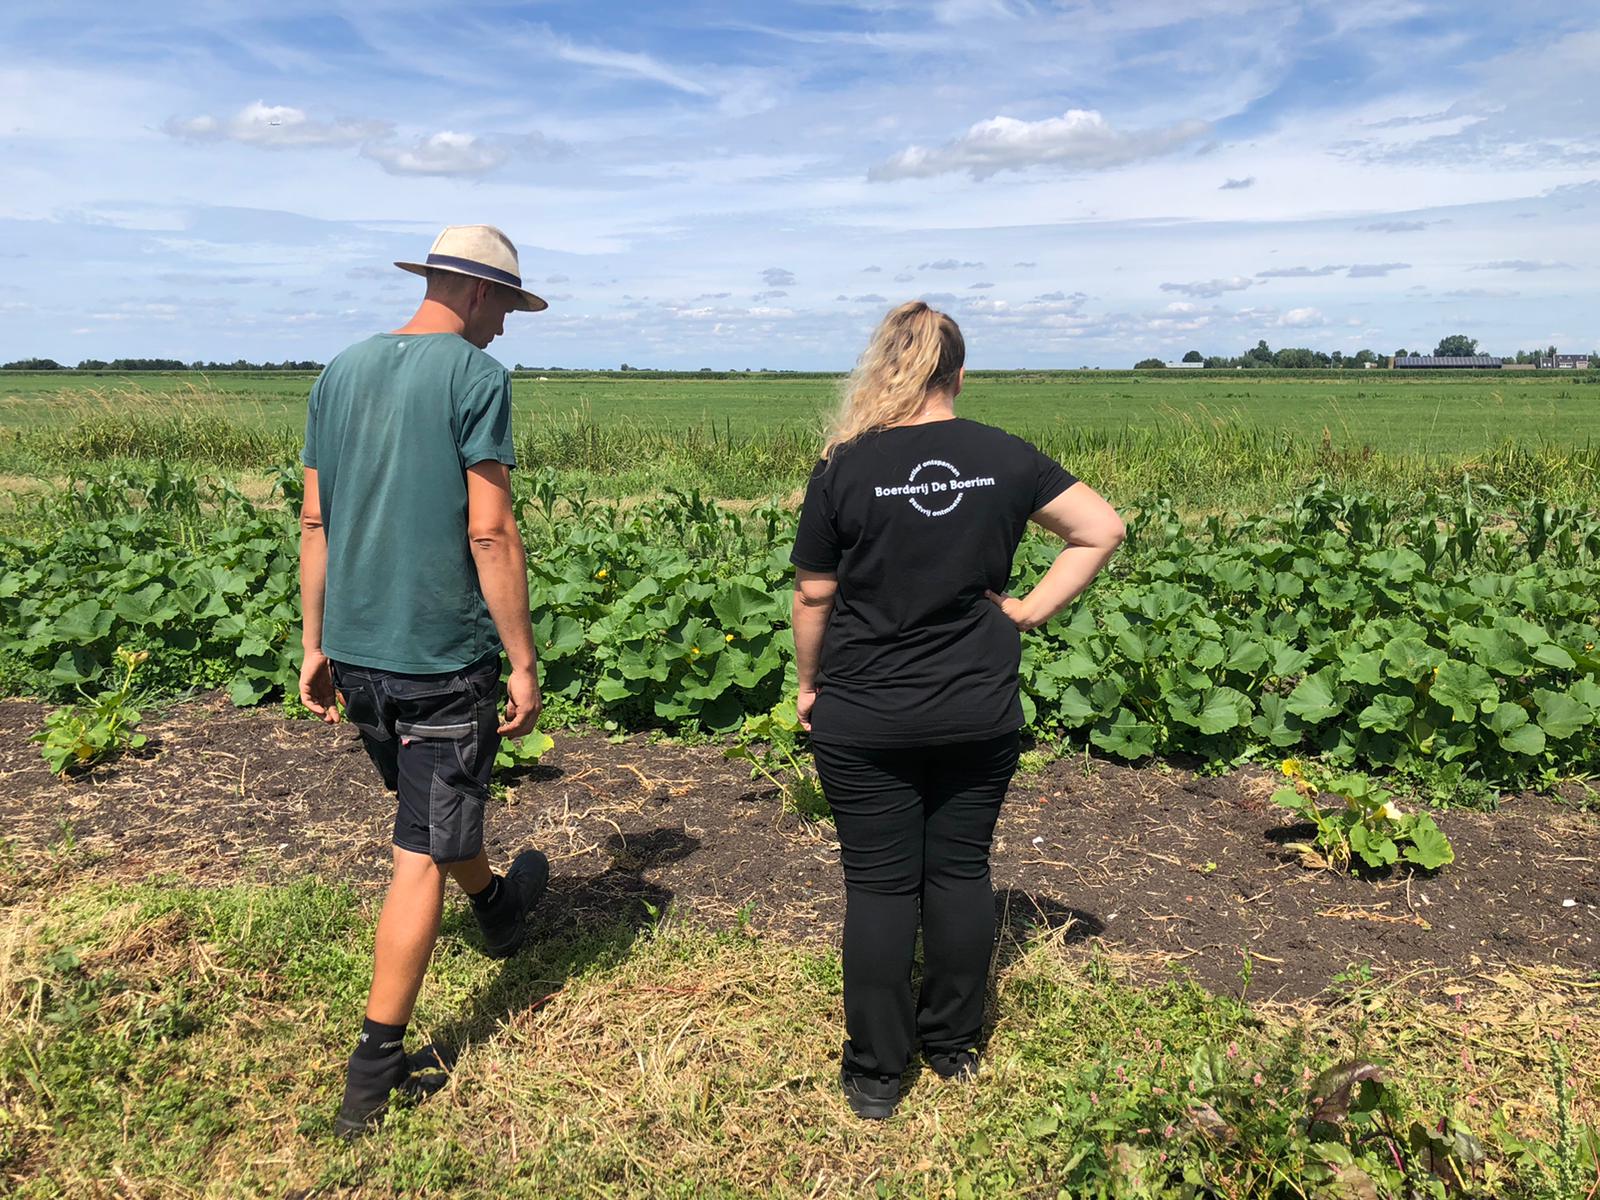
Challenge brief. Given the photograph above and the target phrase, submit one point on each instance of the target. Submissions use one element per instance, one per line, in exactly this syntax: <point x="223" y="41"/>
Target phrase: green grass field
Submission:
<point x="1432" y="413"/>
<point x="1209" y="439"/>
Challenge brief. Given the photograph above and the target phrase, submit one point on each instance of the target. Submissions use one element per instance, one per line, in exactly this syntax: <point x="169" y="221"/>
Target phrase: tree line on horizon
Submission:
<point x="1261" y="356"/>
<point x="1457" y="345"/>
<point x="157" y="364"/>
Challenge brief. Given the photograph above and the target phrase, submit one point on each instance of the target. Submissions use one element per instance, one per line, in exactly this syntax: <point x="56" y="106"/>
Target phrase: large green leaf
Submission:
<point x="1387" y="713"/>
<point x="1313" y="698"/>
<point x="1428" y="848"/>
<point x="1463" y="688"/>
<point x="1275" y="723"/>
<point x="1517" y="735"/>
<point x="1501" y="652"/>
<point x="1213" y="710"/>
<point x="744" y="604"/>
<point x="1552" y="655"/>
<point x="1125" y="736"/>
<point x="1364" y="667"/>
<point x="1560" y="716"/>
<point x="85" y="622"/>
<point x="1074" y="708"/>
<point x="1411" y="659"/>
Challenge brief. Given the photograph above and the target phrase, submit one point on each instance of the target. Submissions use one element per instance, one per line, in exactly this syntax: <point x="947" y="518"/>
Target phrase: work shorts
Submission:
<point x="433" y="739"/>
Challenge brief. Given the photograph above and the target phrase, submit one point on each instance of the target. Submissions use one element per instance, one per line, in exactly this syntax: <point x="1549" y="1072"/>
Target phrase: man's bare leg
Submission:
<point x="408" y="927"/>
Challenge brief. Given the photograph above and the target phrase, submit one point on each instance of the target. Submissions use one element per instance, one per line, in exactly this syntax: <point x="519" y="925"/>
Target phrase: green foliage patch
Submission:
<point x="1451" y="637"/>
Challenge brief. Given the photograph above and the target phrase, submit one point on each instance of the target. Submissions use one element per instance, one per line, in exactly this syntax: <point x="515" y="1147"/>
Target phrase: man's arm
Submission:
<point x="503" y="575"/>
<point x="316" y="677"/>
<point x="813" y="602"/>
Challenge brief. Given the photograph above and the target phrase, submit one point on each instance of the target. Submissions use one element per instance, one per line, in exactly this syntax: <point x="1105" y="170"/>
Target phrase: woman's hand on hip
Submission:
<point x="803" y="704"/>
<point x="1017" y="610"/>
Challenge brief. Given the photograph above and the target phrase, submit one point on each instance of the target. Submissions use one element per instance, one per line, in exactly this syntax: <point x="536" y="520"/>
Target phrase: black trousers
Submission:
<point x="915" y="826"/>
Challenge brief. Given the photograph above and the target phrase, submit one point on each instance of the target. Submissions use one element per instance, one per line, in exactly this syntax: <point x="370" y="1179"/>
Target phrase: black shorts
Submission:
<point x="433" y="739"/>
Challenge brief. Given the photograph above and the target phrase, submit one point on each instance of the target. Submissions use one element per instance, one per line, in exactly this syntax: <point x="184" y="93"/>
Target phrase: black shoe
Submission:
<point x="368" y="1089"/>
<point x="960" y="1065"/>
<point x="373" y="1084"/>
<point x="869" y="1097"/>
<point x="506" y="924"/>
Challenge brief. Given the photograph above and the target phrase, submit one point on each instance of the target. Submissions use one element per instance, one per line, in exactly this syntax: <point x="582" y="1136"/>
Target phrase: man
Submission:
<point x="413" y="582"/>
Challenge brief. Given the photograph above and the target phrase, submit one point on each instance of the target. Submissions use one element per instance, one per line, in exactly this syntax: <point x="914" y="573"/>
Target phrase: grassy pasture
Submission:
<point x="1432" y="413"/>
<point x="1218" y="440"/>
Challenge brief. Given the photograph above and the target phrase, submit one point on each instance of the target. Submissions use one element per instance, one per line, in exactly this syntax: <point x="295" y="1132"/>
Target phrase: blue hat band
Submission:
<point x="475" y="268"/>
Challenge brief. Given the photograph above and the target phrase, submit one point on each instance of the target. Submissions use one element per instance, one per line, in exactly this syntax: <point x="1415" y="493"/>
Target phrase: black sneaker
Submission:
<point x="506" y="924"/>
<point x="373" y="1084"/>
<point x="368" y="1089"/>
<point x="960" y="1065"/>
<point x="869" y="1097"/>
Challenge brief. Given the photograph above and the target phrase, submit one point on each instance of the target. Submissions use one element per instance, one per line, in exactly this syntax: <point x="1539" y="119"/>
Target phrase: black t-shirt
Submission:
<point x="917" y="521"/>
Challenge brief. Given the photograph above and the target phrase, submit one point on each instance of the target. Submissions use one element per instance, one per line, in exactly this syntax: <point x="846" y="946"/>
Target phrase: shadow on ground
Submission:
<point x="583" y="922"/>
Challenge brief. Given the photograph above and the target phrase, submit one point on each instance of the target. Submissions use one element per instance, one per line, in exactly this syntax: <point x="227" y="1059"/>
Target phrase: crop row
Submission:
<point x="1453" y="636"/>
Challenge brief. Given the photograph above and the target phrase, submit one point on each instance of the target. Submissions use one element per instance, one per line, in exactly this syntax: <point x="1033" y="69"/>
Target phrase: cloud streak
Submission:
<point x="1207" y="289"/>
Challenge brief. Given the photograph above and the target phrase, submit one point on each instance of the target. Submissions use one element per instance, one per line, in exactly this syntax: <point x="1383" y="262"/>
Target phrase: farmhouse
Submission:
<point x="1185" y="366"/>
<point x="1565" y="362"/>
<point x="1434" y="362"/>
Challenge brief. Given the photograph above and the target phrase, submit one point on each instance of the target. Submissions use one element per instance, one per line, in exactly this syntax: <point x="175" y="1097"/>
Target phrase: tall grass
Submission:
<point x="1202" y="461"/>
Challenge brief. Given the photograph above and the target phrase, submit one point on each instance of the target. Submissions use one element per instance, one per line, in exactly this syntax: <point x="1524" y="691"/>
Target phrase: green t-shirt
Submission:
<point x="393" y="424"/>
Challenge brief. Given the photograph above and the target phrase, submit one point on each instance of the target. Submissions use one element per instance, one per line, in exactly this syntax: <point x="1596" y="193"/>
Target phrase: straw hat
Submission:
<point x="481" y="251"/>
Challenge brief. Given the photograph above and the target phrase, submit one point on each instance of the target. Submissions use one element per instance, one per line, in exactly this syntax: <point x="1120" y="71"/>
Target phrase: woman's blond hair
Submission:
<point x="914" y="351"/>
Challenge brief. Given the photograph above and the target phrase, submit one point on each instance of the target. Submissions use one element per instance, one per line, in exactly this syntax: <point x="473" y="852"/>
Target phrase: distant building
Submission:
<point x="1564" y="362"/>
<point x="1183" y="366"/>
<point x="1449" y="362"/>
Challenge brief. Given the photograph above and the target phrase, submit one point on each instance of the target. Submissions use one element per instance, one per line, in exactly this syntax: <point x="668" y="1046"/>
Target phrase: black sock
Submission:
<point x="485" y="900"/>
<point x="378" y="1040"/>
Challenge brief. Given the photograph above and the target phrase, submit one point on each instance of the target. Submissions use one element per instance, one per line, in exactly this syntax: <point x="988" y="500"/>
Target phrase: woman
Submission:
<point x="908" y="649"/>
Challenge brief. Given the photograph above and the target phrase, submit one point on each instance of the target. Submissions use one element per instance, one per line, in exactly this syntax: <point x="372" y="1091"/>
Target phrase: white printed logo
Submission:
<point x="926" y="482"/>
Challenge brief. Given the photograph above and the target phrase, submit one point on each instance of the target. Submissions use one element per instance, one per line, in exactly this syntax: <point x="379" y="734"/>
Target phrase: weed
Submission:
<point x="80" y="735"/>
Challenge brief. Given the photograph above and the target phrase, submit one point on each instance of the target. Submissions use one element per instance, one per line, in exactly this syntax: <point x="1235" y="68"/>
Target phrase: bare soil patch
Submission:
<point x="1154" y="861"/>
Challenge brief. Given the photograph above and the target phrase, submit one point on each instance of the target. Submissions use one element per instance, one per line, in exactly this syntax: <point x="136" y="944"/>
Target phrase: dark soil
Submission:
<point x="1157" y="862"/>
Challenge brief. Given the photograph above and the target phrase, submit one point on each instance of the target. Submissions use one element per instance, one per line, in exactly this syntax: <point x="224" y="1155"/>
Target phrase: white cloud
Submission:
<point x="1079" y="138"/>
<point x="276" y="126"/>
<point x="1302" y="318"/>
<point x="777" y="277"/>
<point x="443" y="153"/>
<point x="1206" y="289"/>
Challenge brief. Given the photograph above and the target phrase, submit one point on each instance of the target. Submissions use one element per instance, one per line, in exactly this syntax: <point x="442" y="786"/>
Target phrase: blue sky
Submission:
<point x="732" y="185"/>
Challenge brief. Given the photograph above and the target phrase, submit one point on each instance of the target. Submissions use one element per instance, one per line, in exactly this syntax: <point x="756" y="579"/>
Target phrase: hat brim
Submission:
<point x="528" y="301"/>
